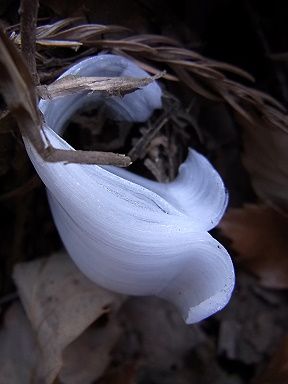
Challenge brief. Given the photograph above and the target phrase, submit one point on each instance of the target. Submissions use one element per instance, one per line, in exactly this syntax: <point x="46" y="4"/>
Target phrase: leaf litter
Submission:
<point x="128" y="347"/>
<point x="53" y="291"/>
<point x="259" y="236"/>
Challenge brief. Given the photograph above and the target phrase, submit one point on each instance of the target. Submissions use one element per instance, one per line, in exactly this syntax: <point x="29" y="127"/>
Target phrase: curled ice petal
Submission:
<point x="129" y="234"/>
<point x="206" y="200"/>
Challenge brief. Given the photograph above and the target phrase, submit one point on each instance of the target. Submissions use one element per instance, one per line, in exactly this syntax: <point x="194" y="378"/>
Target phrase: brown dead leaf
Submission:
<point x="86" y="359"/>
<point x="123" y="374"/>
<point x="277" y="370"/>
<point x="60" y="303"/>
<point x="266" y="158"/>
<point x="18" y="348"/>
<point x="259" y="236"/>
<point x="163" y="336"/>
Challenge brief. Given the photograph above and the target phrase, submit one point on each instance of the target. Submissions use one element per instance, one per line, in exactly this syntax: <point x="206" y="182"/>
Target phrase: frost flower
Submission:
<point x="129" y="234"/>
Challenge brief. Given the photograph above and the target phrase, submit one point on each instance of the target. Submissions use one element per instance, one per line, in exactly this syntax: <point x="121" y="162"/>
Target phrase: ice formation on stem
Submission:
<point x="129" y="234"/>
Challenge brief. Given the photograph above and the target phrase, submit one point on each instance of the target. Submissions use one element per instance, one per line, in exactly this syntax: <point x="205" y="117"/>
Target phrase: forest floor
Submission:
<point x="243" y="133"/>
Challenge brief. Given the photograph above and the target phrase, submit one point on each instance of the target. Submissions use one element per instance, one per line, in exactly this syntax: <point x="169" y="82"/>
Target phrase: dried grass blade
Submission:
<point x="230" y="68"/>
<point x="147" y="67"/>
<point x="152" y="39"/>
<point x="229" y="98"/>
<point x="267" y="98"/>
<point x="51" y="29"/>
<point x="209" y="81"/>
<point x="86" y="31"/>
<point x="122" y="44"/>
<point x="194" y="85"/>
<point x="59" y="43"/>
<point x="199" y="69"/>
<point x="276" y="118"/>
<point x="176" y="52"/>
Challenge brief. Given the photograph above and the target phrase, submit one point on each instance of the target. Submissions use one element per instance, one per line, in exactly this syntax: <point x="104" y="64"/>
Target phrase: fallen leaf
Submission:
<point x="253" y="323"/>
<point x="123" y="374"/>
<point x="18" y="348"/>
<point x="277" y="370"/>
<point x="259" y="236"/>
<point x="163" y="336"/>
<point x="159" y="348"/>
<point x="266" y="157"/>
<point x="60" y="303"/>
<point x="85" y="360"/>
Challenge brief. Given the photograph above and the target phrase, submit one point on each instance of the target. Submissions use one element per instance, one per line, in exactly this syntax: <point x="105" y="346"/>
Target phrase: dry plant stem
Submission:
<point x="111" y="85"/>
<point x="139" y="148"/>
<point x="28" y="16"/>
<point x="156" y="172"/>
<point x="87" y="157"/>
<point x="19" y="93"/>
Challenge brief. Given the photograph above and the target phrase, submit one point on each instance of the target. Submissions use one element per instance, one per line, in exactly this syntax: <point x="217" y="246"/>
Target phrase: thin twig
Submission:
<point x="113" y="86"/>
<point x="28" y="16"/>
<point x="139" y="148"/>
<point x="19" y="93"/>
<point x="54" y="155"/>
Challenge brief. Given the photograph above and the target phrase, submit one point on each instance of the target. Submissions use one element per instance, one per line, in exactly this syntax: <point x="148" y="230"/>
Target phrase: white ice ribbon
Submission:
<point x="129" y="234"/>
